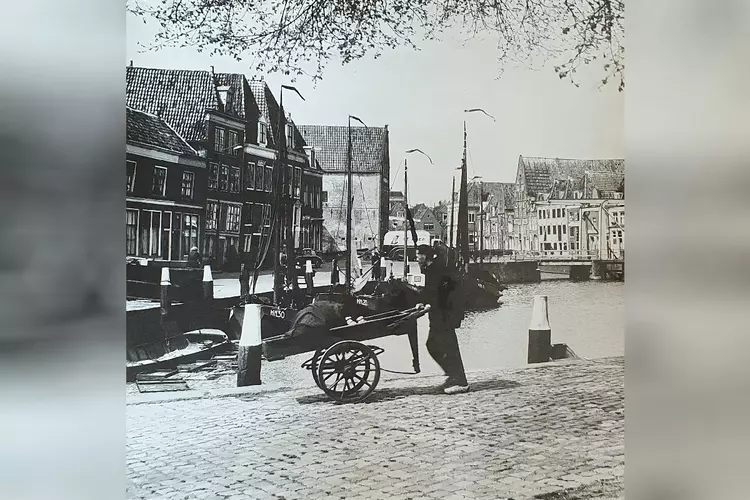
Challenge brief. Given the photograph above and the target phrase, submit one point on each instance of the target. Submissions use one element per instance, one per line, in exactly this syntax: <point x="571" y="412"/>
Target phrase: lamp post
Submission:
<point x="481" y="216"/>
<point x="463" y="235"/>
<point x="282" y="182"/>
<point x="349" y="202"/>
<point x="406" y="208"/>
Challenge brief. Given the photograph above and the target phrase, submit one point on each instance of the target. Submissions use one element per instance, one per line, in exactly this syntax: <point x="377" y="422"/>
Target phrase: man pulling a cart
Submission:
<point x="440" y="292"/>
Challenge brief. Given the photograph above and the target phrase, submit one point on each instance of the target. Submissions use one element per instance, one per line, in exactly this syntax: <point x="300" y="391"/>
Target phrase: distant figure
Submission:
<point x="375" y="261"/>
<point x="194" y="258"/>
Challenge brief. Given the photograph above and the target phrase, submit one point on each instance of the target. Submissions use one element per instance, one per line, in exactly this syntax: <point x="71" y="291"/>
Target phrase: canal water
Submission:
<point x="588" y="316"/>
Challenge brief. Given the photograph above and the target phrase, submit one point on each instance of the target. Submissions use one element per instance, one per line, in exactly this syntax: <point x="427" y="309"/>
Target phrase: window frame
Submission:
<point x="158" y="168"/>
<point x="190" y="193"/>
<point x="220" y="145"/>
<point x="235" y="173"/>
<point x="131" y="184"/>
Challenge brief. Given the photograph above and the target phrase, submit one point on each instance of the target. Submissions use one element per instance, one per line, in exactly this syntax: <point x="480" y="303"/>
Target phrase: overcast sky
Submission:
<point x="421" y="96"/>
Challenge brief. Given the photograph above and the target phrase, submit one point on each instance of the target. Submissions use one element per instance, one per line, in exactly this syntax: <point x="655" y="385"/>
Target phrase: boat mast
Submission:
<point x="349" y="209"/>
<point x="453" y="209"/>
<point x="463" y="212"/>
<point x="277" y="226"/>
<point x="406" y="224"/>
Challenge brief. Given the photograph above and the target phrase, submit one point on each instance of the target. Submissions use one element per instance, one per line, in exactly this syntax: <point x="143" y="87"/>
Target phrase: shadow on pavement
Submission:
<point x="392" y="394"/>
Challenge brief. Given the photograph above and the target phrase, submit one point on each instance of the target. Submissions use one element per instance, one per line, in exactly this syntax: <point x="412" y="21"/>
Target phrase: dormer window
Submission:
<point x="262" y="133"/>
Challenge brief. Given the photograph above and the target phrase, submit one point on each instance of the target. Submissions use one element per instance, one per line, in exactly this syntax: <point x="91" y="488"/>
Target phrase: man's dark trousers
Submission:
<point x="442" y="344"/>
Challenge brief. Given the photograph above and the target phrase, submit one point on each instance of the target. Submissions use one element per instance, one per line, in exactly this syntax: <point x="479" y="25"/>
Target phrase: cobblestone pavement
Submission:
<point x="553" y="432"/>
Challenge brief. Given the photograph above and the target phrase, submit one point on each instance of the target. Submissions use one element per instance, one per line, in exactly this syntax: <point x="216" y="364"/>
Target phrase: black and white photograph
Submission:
<point x="375" y="249"/>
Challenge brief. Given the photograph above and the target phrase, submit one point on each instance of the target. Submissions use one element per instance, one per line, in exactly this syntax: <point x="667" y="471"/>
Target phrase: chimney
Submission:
<point x="131" y="63"/>
<point x="212" y="69"/>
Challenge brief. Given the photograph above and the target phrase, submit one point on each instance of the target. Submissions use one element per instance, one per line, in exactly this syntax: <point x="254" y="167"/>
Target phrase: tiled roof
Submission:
<point x="503" y="192"/>
<point x="369" y="147"/>
<point x="269" y="112"/>
<point x="539" y="173"/>
<point x="180" y="97"/>
<point x="236" y="98"/>
<point x="150" y="130"/>
<point x="604" y="181"/>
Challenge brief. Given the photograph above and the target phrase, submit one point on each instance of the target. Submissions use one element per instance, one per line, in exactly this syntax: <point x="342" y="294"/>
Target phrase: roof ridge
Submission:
<point x="570" y="159"/>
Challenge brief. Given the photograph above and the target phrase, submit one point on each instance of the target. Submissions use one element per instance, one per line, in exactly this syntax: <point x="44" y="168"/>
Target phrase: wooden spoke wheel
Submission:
<point x="314" y="368"/>
<point x="348" y="371"/>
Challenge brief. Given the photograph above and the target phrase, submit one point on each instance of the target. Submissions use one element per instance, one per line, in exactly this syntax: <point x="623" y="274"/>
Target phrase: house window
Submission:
<point x="290" y="136"/>
<point x="554" y="229"/>
<point x="268" y="179"/>
<point x="471" y="217"/>
<point x="131" y="175"/>
<point x="233" y="141"/>
<point x="324" y="196"/>
<point x="256" y="179"/>
<point x="189" y="233"/>
<point x="131" y="232"/>
<point x="564" y="229"/>
<point x="297" y="181"/>
<point x="429" y="227"/>
<point x="219" y="140"/>
<point x="234" y="180"/>
<point x="445" y="217"/>
<point x="262" y="133"/>
<point x="223" y="178"/>
<point x="250" y="176"/>
<point x="290" y="180"/>
<point x="213" y="176"/>
<point x="211" y="215"/>
<point x="541" y="214"/>
<point x="150" y="225"/>
<point x="230" y="215"/>
<point x="159" y="186"/>
<point x="188" y="182"/>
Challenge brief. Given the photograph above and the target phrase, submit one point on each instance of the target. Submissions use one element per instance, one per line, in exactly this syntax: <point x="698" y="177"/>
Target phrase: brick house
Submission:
<point x="370" y="186"/>
<point x="232" y="123"/>
<point x="498" y="208"/>
<point x="427" y="221"/>
<point x="166" y="190"/>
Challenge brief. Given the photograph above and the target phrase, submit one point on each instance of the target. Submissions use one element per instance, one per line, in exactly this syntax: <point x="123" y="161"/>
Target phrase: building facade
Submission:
<point x="233" y="124"/>
<point x="370" y="162"/>
<point x="166" y="190"/>
<point x="563" y="207"/>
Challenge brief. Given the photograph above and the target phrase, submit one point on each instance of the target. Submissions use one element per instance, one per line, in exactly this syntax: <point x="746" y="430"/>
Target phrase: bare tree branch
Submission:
<point x="289" y="35"/>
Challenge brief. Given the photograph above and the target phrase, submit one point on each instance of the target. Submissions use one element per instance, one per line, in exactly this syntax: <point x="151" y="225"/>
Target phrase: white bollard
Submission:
<point x="208" y="283"/>
<point x="540" y="332"/>
<point x="250" y="347"/>
<point x="164" y="300"/>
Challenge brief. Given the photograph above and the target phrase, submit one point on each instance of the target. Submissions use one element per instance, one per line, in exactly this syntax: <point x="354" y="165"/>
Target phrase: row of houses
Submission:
<point x="200" y="152"/>
<point x="556" y="207"/>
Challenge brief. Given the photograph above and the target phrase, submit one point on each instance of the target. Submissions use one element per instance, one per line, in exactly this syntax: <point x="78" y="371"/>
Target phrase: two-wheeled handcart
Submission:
<point x="343" y="365"/>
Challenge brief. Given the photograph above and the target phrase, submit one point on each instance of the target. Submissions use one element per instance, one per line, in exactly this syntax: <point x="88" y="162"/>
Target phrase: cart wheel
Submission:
<point x="348" y="371"/>
<point x="314" y="368"/>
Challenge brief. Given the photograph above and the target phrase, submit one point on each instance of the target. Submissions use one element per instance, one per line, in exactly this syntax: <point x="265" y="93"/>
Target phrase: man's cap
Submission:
<point x="425" y="250"/>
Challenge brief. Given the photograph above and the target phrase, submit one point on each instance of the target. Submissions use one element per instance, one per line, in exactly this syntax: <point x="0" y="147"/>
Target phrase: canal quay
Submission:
<point x="527" y="432"/>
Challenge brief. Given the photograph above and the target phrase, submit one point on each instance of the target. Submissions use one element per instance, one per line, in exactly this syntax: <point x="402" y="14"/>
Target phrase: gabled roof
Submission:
<point x="540" y="173"/>
<point x="145" y="129"/>
<point x="180" y="97"/>
<point x="603" y="182"/>
<point x="420" y="210"/>
<point x="369" y="147"/>
<point x="269" y="107"/>
<point x="502" y="192"/>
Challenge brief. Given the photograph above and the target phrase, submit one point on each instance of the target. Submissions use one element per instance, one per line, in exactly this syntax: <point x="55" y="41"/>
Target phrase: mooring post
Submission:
<point x="250" y="347"/>
<point x="164" y="299"/>
<point x="309" y="282"/>
<point x="540" y="333"/>
<point x="208" y="283"/>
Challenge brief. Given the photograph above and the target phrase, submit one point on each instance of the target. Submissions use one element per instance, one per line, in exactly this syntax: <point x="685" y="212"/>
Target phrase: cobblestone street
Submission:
<point x="555" y="431"/>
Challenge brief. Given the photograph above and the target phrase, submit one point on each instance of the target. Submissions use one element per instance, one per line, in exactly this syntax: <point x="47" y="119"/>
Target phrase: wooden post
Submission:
<point x="164" y="299"/>
<point x="244" y="280"/>
<point x="250" y="347"/>
<point x="208" y="283"/>
<point x="540" y="332"/>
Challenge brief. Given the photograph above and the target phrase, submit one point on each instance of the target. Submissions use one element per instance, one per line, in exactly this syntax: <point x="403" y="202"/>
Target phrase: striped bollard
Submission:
<point x="309" y="283"/>
<point x="540" y="333"/>
<point x="164" y="300"/>
<point x="250" y="347"/>
<point x="383" y="276"/>
<point x="334" y="272"/>
<point x="208" y="283"/>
